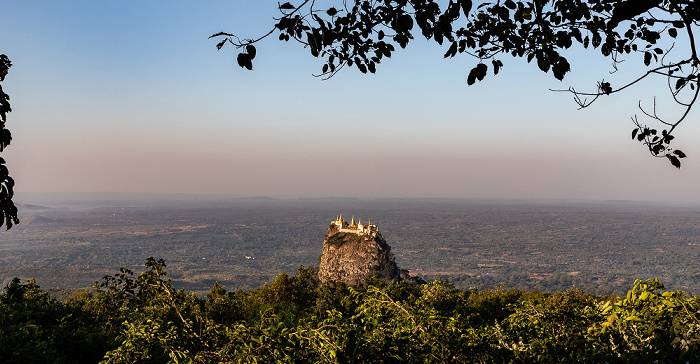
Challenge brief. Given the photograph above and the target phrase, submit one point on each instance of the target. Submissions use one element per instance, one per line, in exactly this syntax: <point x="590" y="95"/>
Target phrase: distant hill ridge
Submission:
<point x="31" y="207"/>
<point x="36" y="219"/>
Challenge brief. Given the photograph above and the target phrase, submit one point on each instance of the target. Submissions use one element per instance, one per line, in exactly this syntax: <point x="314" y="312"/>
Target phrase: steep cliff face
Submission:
<point x="351" y="258"/>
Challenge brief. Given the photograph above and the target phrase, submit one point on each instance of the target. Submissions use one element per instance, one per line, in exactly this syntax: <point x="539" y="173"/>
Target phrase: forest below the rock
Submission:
<point x="129" y="318"/>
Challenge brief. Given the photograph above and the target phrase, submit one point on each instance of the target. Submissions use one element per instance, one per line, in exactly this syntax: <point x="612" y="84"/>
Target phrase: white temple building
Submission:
<point x="356" y="228"/>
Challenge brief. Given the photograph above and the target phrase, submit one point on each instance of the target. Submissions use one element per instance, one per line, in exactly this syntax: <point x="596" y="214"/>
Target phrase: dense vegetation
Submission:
<point x="130" y="318"/>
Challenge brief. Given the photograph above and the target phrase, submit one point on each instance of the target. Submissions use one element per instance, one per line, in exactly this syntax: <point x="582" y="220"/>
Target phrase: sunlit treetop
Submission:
<point x="362" y="33"/>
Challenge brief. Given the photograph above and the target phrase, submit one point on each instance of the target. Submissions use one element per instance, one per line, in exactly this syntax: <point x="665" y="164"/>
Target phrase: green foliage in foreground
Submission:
<point x="138" y="319"/>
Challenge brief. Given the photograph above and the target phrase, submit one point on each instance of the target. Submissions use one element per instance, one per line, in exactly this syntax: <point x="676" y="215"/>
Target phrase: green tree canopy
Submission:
<point x="362" y="33"/>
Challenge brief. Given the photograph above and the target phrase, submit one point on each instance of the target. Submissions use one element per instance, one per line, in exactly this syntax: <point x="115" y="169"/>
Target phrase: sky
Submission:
<point x="132" y="96"/>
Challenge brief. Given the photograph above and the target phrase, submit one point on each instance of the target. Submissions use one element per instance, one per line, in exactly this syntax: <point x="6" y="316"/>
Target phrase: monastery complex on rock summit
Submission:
<point x="355" y="228"/>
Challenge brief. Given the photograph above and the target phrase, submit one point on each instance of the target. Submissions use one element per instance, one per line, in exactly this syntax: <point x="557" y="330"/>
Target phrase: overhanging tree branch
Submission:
<point x="8" y="211"/>
<point x="364" y="32"/>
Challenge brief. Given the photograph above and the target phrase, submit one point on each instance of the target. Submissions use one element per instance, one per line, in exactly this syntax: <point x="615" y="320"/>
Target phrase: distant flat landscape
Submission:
<point x="600" y="247"/>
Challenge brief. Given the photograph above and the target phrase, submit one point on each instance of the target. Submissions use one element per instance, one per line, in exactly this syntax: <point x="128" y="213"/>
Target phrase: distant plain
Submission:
<point x="600" y="247"/>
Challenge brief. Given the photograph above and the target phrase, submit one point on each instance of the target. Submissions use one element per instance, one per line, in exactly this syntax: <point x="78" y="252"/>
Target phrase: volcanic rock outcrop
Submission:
<point x="354" y="252"/>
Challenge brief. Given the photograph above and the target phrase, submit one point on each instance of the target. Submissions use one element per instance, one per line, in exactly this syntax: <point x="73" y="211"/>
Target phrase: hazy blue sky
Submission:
<point x="131" y="96"/>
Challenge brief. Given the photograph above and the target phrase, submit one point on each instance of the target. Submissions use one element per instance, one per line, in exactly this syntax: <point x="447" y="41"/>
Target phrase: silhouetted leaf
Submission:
<point x="471" y="79"/>
<point x="286" y="6"/>
<point x="679" y="153"/>
<point x="244" y="61"/>
<point x="452" y="51"/>
<point x="561" y="68"/>
<point x="251" y="50"/>
<point x="674" y="161"/>
<point x="481" y="70"/>
<point x="542" y="63"/>
<point x="497" y="65"/>
<point x="220" y="34"/>
<point x="673" y="32"/>
<point x="634" y="133"/>
<point x="361" y="67"/>
<point x="332" y="11"/>
<point x="466" y="6"/>
<point x="437" y="35"/>
<point x="647" y="58"/>
<point x="313" y="44"/>
<point x="680" y="83"/>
